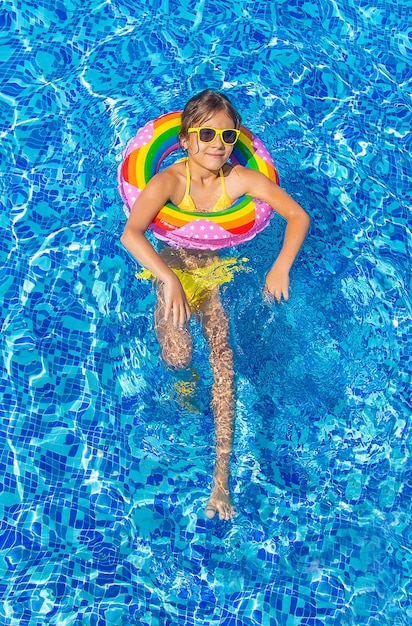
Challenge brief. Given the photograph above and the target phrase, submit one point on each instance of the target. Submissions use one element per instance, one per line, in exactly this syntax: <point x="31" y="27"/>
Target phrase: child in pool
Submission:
<point x="205" y="182"/>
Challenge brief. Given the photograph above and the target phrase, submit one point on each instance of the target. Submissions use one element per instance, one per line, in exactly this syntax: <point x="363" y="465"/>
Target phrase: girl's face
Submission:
<point x="214" y="154"/>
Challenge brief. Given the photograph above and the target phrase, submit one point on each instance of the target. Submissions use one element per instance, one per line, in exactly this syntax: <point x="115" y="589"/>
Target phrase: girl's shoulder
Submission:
<point x="241" y="180"/>
<point x="168" y="183"/>
<point x="234" y="170"/>
<point x="244" y="173"/>
<point x="170" y="175"/>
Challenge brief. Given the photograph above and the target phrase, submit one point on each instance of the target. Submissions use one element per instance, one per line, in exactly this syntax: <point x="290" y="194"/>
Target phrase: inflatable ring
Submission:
<point x="222" y="229"/>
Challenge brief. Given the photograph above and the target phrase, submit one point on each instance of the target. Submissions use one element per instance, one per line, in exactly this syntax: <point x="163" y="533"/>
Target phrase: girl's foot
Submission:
<point x="220" y="502"/>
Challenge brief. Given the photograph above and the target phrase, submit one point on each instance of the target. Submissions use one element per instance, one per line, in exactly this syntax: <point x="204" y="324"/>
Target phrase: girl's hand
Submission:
<point x="277" y="283"/>
<point x="176" y="304"/>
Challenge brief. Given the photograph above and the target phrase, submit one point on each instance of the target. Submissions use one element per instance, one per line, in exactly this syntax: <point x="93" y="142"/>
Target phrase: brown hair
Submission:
<point x="204" y="105"/>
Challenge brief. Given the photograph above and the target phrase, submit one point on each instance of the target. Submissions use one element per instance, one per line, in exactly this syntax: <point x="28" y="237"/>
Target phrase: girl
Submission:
<point x="186" y="279"/>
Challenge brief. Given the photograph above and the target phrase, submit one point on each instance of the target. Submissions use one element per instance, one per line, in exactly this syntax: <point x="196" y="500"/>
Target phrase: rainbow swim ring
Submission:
<point x="222" y="229"/>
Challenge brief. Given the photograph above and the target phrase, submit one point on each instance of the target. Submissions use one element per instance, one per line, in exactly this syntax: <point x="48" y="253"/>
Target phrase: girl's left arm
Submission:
<point x="277" y="279"/>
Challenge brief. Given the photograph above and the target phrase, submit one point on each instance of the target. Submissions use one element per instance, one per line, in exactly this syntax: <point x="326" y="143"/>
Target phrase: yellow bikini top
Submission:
<point x="187" y="203"/>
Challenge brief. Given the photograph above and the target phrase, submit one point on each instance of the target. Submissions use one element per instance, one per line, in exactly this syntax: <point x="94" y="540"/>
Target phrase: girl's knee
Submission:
<point x="176" y="348"/>
<point x="177" y="359"/>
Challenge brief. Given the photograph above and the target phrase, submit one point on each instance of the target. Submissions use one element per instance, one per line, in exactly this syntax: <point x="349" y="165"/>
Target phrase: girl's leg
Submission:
<point x="216" y="330"/>
<point x="176" y="343"/>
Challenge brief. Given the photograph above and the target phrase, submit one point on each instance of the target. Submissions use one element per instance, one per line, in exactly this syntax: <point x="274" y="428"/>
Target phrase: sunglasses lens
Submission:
<point x="229" y="136"/>
<point x="207" y="135"/>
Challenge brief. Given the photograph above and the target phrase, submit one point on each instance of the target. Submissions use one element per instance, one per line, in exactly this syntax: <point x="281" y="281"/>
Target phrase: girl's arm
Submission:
<point x="143" y="212"/>
<point x="258" y="185"/>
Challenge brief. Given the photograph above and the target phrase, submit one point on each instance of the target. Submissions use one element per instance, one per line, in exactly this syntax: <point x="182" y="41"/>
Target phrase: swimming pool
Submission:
<point x="105" y="474"/>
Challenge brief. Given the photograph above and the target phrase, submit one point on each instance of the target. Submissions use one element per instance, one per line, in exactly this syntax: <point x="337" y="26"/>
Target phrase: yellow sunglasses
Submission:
<point x="206" y="134"/>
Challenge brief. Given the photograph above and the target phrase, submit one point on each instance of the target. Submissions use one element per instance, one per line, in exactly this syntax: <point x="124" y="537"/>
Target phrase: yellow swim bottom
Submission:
<point x="199" y="282"/>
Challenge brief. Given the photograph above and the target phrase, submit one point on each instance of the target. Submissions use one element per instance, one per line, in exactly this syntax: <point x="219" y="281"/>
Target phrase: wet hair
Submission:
<point x="202" y="106"/>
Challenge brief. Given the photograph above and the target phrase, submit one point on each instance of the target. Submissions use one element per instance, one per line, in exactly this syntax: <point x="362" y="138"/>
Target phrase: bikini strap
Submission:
<point x="222" y="180"/>
<point x="187" y="190"/>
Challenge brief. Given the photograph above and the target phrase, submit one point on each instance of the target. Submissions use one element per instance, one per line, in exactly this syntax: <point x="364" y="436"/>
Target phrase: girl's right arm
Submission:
<point x="143" y="212"/>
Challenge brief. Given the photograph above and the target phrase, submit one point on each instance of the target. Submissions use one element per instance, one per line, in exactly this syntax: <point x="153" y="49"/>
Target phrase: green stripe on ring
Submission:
<point x="157" y="147"/>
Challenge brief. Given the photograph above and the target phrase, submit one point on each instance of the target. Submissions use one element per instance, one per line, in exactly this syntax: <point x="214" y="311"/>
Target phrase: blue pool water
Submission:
<point x="104" y="473"/>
